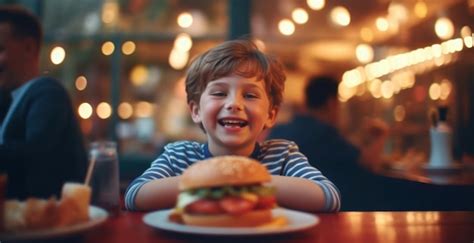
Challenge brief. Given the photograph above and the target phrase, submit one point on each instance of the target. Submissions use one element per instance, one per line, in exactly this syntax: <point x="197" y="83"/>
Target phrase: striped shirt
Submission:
<point x="281" y="157"/>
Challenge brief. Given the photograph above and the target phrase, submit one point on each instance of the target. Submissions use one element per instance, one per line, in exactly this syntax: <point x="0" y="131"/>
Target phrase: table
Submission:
<point x="350" y="227"/>
<point x="461" y="176"/>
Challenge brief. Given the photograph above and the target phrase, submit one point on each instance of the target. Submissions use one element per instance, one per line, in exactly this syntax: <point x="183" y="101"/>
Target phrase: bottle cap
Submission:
<point x="443" y="113"/>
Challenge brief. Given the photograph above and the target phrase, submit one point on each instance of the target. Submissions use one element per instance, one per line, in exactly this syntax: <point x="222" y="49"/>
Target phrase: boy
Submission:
<point x="234" y="92"/>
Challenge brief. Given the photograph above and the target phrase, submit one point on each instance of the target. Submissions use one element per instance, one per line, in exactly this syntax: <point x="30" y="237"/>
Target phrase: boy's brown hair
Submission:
<point x="240" y="57"/>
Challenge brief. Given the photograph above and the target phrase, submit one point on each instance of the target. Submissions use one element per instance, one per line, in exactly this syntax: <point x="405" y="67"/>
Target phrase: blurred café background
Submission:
<point x="123" y="63"/>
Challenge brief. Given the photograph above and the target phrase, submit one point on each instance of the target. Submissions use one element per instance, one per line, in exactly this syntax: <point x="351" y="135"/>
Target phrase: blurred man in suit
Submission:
<point x="41" y="145"/>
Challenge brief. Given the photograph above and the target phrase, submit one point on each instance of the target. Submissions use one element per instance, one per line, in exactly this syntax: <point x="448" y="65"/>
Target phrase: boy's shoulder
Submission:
<point x="277" y="142"/>
<point x="274" y="145"/>
<point x="184" y="146"/>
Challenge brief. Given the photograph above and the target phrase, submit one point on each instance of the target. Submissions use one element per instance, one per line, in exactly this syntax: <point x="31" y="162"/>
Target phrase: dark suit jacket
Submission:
<point x="42" y="142"/>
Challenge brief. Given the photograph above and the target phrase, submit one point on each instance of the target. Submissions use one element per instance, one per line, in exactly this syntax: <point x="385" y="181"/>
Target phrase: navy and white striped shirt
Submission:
<point x="281" y="157"/>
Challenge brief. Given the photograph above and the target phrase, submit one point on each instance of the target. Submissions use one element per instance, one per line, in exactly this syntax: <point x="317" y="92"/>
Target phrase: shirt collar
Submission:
<point x="16" y="92"/>
<point x="255" y="154"/>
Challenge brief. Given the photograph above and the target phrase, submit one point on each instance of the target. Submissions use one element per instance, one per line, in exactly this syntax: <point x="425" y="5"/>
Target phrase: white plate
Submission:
<point x="296" y="221"/>
<point x="96" y="217"/>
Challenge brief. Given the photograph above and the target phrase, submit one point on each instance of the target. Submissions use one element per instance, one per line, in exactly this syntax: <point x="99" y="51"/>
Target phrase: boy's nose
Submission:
<point x="234" y="103"/>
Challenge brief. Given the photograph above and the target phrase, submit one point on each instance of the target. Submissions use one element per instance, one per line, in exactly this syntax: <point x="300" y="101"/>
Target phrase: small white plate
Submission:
<point x="96" y="217"/>
<point x="296" y="221"/>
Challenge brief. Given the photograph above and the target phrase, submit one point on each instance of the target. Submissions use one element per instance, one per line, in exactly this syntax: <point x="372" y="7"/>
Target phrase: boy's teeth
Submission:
<point x="233" y="123"/>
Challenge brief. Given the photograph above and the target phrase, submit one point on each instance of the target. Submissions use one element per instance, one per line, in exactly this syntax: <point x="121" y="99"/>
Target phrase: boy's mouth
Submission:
<point x="227" y="122"/>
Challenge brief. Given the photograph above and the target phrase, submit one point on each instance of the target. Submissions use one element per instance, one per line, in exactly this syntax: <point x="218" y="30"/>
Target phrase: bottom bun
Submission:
<point x="253" y="218"/>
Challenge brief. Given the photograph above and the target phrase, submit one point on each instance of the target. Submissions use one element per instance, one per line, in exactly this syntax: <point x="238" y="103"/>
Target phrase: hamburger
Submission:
<point x="225" y="191"/>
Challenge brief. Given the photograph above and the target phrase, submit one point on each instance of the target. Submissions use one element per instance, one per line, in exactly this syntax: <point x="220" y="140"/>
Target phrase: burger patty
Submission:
<point x="230" y="204"/>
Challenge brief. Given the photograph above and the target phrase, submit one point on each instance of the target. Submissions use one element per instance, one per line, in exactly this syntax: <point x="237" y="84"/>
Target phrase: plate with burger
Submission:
<point x="228" y="195"/>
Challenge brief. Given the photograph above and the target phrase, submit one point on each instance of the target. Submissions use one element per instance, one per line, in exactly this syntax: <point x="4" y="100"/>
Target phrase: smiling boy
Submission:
<point x="234" y="92"/>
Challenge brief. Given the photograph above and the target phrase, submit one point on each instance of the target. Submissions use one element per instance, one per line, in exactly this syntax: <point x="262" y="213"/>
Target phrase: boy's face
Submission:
<point x="234" y="111"/>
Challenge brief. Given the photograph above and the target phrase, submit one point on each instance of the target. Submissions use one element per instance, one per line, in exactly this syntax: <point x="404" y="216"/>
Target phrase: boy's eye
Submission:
<point x="251" y="95"/>
<point x="218" y="93"/>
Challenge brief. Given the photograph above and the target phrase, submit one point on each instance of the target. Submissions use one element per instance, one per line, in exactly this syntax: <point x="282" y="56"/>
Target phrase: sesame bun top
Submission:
<point x="223" y="171"/>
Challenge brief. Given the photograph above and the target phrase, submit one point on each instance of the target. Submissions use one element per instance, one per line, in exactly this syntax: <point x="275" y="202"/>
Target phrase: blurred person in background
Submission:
<point x="41" y="145"/>
<point x="315" y="132"/>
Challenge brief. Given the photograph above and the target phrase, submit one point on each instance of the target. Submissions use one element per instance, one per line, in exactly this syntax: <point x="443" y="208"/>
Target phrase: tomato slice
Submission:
<point x="266" y="202"/>
<point x="204" y="206"/>
<point x="236" y="205"/>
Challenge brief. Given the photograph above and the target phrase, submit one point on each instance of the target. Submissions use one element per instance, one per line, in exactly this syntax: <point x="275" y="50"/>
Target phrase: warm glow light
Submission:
<point x="398" y="11"/>
<point x="108" y="48"/>
<point x="345" y="93"/>
<point x="81" y="83"/>
<point x="399" y="113"/>
<point x="110" y="12"/>
<point x="316" y="4"/>
<point x="57" y="56"/>
<point x="466" y="31"/>
<point x="375" y="88"/>
<point x="421" y="10"/>
<point x="366" y="34"/>
<point x="437" y="50"/>
<point x="139" y="75"/>
<point x="104" y="110"/>
<point x="185" y="20"/>
<point x="178" y="59"/>
<point x="446" y="88"/>
<point x="468" y="41"/>
<point x="143" y="109"/>
<point x="128" y="47"/>
<point x="352" y="78"/>
<point x="300" y="16"/>
<point x="435" y="91"/>
<point x="387" y="89"/>
<point x="444" y="28"/>
<point x="364" y="53"/>
<point x="340" y="16"/>
<point x="286" y="27"/>
<point x="183" y="42"/>
<point x="381" y="24"/>
<point x="125" y="110"/>
<point x="85" y="110"/>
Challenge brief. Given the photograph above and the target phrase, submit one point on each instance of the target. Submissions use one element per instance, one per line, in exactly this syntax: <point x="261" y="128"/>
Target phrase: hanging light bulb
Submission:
<point x="316" y="4"/>
<point x="300" y="16"/>
<point x="286" y="27"/>
<point x="421" y="10"/>
<point x="340" y="16"/>
<point x="364" y="53"/>
<point x="444" y="28"/>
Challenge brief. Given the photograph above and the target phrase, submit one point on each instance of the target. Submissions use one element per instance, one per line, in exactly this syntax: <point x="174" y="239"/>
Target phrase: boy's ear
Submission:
<point x="194" y="109"/>
<point x="272" y="114"/>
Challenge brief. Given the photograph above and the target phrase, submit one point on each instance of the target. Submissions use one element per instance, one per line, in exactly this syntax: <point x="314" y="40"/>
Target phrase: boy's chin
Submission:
<point x="236" y="142"/>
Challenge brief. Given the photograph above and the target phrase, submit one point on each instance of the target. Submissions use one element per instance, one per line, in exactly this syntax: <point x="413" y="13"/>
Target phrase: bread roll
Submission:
<point x="224" y="170"/>
<point x="14" y="218"/>
<point x="40" y="213"/>
<point x="250" y="219"/>
<point x="74" y="204"/>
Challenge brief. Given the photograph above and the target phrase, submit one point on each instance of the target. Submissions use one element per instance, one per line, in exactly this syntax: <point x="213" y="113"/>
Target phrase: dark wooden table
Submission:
<point x="347" y="227"/>
<point x="462" y="174"/>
